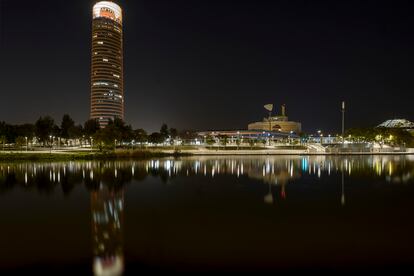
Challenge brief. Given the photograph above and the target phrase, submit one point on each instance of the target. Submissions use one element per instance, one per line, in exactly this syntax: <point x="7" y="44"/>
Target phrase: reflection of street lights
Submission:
<point x="269" y="197"/>
<point x="343" y="188"/>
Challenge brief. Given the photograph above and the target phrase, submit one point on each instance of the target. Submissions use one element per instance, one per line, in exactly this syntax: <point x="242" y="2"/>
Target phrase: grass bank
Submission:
<point x="79" y="156"/>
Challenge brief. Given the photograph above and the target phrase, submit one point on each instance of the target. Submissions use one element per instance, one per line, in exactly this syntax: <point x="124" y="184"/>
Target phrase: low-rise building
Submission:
<point x="278" y="123"/>
<point x="398" y="123"/>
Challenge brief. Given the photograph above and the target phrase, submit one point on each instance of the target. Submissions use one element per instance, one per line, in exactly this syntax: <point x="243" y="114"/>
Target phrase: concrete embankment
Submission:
<point x="203" y="151"/>
<point x="159" y="153"/>
<point x="244" y="152"/>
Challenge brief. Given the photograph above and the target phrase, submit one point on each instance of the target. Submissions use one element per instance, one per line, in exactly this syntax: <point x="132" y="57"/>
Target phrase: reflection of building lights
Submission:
<point x="390" y="168"/>
<point x="107" y="216"/>
<point x="305" y="164"/>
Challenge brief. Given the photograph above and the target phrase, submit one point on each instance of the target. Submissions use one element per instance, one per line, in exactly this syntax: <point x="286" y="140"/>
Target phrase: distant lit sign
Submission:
<point x="108" y="10"/>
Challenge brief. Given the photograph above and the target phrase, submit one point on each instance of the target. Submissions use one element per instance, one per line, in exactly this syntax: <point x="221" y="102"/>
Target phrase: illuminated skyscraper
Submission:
<point x="107" y="80"/>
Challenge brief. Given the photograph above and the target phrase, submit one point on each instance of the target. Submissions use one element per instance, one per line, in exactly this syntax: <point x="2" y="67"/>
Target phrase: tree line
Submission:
<point x="45" y="130"/>
<point x="391" y="136"/>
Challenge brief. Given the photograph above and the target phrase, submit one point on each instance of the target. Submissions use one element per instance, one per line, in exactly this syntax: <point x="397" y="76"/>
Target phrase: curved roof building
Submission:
<point x="397" y="123"/>
<point x="107" y="80"/>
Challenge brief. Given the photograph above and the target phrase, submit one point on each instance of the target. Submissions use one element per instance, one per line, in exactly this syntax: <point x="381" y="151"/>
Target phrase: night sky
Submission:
<point x="214" y="64"/>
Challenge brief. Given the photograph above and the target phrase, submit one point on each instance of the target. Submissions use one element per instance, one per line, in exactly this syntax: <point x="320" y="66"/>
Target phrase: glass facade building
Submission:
<point x="107" y="81"/>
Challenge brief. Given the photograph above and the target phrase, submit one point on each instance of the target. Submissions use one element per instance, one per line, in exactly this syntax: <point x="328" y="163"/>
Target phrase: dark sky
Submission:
<point x="213" y="64"/>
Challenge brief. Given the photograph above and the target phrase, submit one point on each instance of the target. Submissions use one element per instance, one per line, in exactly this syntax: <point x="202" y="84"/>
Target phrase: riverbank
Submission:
<point x="9" y="156"/>
<point x="84" y="155"/>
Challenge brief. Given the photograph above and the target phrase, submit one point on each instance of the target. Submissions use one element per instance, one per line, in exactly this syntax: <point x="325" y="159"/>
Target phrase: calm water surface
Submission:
<point x="269" y="213"/>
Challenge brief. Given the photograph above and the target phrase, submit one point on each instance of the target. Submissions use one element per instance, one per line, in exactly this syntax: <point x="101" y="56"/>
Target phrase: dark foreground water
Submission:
<point x="208" y="214"/>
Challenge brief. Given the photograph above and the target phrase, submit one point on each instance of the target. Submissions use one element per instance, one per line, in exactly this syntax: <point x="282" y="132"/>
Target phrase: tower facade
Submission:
<point x="107" y="79"/>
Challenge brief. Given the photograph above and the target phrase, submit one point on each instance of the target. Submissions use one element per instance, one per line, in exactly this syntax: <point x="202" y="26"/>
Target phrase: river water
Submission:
<point x="208" y="214"/>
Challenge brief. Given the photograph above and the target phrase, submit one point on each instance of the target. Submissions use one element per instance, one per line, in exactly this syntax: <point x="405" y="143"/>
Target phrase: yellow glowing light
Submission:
<point x="390" y="170"/>
<point x="108" y="10"/>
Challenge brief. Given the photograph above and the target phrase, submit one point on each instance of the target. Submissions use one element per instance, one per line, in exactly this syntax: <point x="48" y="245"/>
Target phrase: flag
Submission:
<point x="269" y="107"/>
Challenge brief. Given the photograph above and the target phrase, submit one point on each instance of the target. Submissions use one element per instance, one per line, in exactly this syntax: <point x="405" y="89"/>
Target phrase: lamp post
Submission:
<point x="51" y="144"/>
<point x="343" y="122"/>
<point x="27" y="145"/>
<point x="91" y="142"/>
<point x="320" y="135"/>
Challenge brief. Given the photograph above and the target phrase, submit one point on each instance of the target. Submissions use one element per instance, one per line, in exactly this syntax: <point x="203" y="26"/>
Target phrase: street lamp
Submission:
<point x="343" y="122"/>
<point x="91" y="142"/>
<point x="51" y="143"/>
<point x="26" y="143"/>
<point x="290" y="137"/>
<point x="320" y="135"/>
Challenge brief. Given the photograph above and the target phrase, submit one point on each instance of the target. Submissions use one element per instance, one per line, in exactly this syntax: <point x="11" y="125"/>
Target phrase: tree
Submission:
<point x="392" y="136"/>
<point x="3" y="140"/>
<point x="67" y="126"/>
<point x="188" y="135"/>
<point x="25" y="130"/>
<point x="252" y="142"/>
<point x="238" y="142"/>
<point x="156" y="138"/>
<point x="75" y="131"/>
<point x="44" y="128"/>
<point x="20" y="142"/>
<point x="122" y="132"/>
<point x="140" y="136"/>
<point x="56" y="131"/>
<point x="173" y="134"/>
<point x="224" y="140"/>
<point x="210" y="140"/>
<point x="164" y="131"/>
<point x="91" y="127"/>
<point x="105" y="138"/>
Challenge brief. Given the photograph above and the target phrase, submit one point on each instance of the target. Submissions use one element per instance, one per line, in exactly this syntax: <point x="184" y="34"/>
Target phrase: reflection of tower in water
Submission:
<point x="107" y="208"/>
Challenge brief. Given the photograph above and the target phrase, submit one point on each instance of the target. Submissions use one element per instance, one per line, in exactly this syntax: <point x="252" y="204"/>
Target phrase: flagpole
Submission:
<point x="343" y="122"/>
